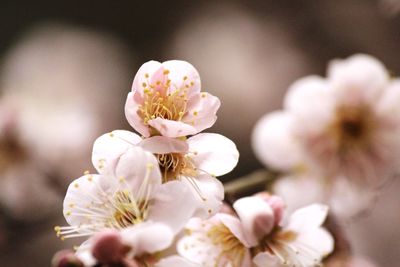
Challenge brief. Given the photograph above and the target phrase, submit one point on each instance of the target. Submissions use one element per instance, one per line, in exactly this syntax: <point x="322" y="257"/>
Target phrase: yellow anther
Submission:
<point x="111" y="134"/>
<point x="71" y="205"/>
<point x="121" y="179"/>
<point x="203" y="95"/>
<point x="166" y="72"/>
<point x="195" y="113"/>
<point x="57" y="228"/>
<point x="185" y="78"/>
<point x="68" y="213"/>
<point x="146" y="75"/>
<point x="191" y="83"/>
<point x="90" y="178"/>
<point x="86" y="172"/>
<point x="144" y="84"/>
<point x="76" y="185"/>
<point x="158" y="82"/>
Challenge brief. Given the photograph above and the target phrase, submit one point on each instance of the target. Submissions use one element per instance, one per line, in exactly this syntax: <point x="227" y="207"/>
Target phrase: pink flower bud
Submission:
<point x="66" y="258"/>
<point x="263" y="225"/>
<point x="108" y="247"/>
<point x="277" y="205"/>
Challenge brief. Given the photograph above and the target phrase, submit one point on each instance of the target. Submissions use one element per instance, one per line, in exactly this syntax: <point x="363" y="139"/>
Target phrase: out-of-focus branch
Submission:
<point x="249" y="184"/>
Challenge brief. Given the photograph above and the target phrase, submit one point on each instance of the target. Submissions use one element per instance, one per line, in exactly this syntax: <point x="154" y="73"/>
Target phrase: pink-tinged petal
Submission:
<point x="110" y="146"/>
<point x="387" y="107"/>
<point x="263" y="259"/>
<point x="147" y="237"/>
<point x="148" y="68"/>
<point x="175" y="261"/>
<point x="305" y="92"/>
<point x="201" y="111"/>
<point x="274" y="143"/>
<point x="171" y="128"/>
<point x="256" y="215"/>
<point x="358" y="78"/>
<point x="236" y="228"/>
<point x="208" y="193"/>
<point x="173" y="204"/>
<point x="309" y="217"/>
<point x="213" y="153"/>
<point x="84" y="253"/>
<point x="164" y="145"/>
<point x="137" y="167"/>
<point x="83" y="193"/>
<point x="183" y="75"/>
<point x="132" y="114"/>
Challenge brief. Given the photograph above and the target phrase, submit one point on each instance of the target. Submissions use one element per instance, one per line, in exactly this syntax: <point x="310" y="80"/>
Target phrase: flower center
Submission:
<point x="173" y="165"/>
<point x="127" y="212"/>
<point x="352" y="127"/>
<point x="232" y="250"/>
<point x="163" y="100"/>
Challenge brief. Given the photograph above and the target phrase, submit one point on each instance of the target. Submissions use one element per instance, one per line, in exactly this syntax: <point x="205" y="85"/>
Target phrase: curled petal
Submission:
<point x="110" y="146"/>
<point x="254" y="211"/>
<point x="202" y="110"/>
<point x="164" y="145"/>
<point x="171" y="128"/>
<point x="213" y="153"/>
<point x="132" y="105"/>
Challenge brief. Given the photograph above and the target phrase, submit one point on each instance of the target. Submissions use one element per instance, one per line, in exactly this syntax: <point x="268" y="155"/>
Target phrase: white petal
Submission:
<point x="148" y="237"/>
<point x="171" y="128"/>
<point x="149" y="68"/>
<point x="213" y="153"/>
<point x="87" y="191"/>
<point x="164" y="145"/>
<point x="201" y="111"/>
<point x="175" y="261"/>
<point x="248" y="209"/>
<point x="358" y="78"/>
<point x="179" y="69"/>
<point x="110" y="146"/>
<point x="309" y="217"/>
<point x="84" y="253"/>
<point x="235" y="226"/>
<point x="317" y="240"/>
<point x="133" y="101"/>
<point x="208" y="193"/>
<point x="263" y="259"/>
<point x="138" y="167"/>
<point x="388" y="106"/>
<point x="274" y="143"/>
<point x="173" y="204"/>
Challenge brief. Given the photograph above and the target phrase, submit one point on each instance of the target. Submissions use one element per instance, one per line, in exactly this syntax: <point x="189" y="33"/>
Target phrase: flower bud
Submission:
<point x="108" y="247"/>
<point x="66" y="258"/>
<point x="263" y="224"/>
<point x="276" y="203"/>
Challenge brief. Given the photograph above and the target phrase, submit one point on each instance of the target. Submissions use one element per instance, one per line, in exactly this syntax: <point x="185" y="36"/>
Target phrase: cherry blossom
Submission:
<point x="344" y="125"/>
<point x="259" y="235"/>
<point x="194" y="161"/>
<point x="166" y="100"/>
<point x="127" y="194"/>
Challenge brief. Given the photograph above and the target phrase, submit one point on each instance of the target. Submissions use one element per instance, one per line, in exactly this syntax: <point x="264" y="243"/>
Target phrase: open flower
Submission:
<point x="126" y="194"/>
<point x="344" y="125"/>
<point x="166" y="100"/>
<point x="216" y="242"/>
<point x="258" y="233"/>
<point x="194" y="161"/>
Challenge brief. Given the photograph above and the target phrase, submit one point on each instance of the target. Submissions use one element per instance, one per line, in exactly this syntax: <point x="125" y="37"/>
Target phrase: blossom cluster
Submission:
<point x="156" y="201"/>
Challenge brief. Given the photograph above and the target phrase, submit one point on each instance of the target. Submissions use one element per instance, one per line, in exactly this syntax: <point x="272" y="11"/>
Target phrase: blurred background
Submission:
<point x="67" y="66"/>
